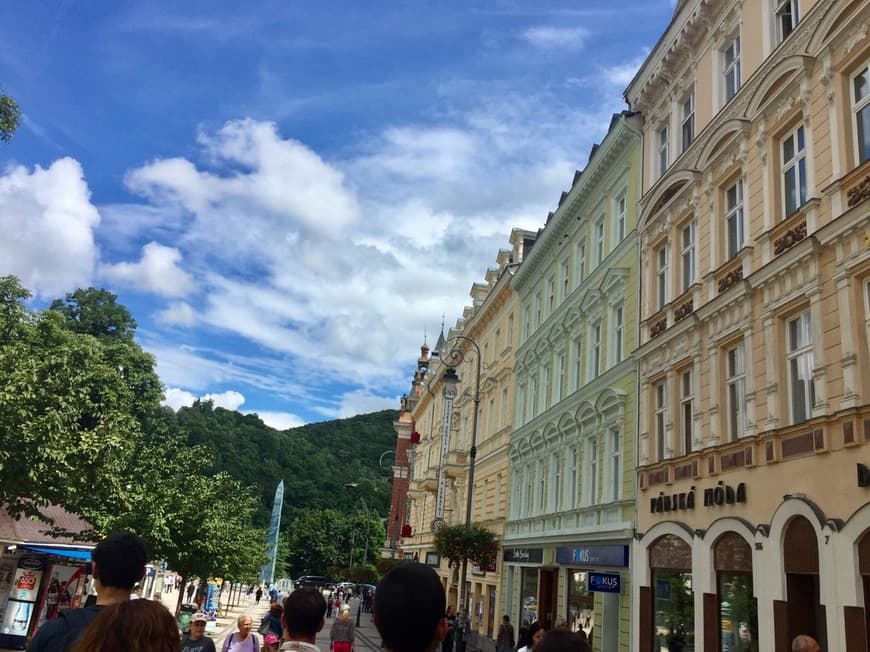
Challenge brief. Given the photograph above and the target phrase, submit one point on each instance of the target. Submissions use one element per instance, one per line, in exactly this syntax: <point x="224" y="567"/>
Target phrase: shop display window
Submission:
<point x="673" y="604"/>
<point x="529" y="596"/>
<point x="738" y="610"/>
<point x="581" y="603"/>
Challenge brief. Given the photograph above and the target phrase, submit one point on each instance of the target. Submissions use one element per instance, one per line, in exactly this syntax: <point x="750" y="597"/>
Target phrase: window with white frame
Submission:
<point x="580" y="260"/>
<point x="733" y="219"/>
<point x="662" y="294"/>
<point x="687" y="400"/>
<point x="557" y="483"/>
<point x="787" y="17"/>
<point x="662" y="145"/>
<point x="530" y="490"/>
<point x="560" y="376"/>
<point x="490" y="417"/>
<point x="731" y="72"/>
<point x="551" y="295"/>
<point x="619" y="217"/>
<point x="661" y="415"/>
<point x="542" y="486"/>
<point x="860" y="88"/>
<point x="518" y="491"/>
<point x="615" y="464"/>
<point x="578" y="362"/>
<point x="505" y="406"/>
<point x="794" y="171"/>
<point x="566" y="280"/>
<point x="509" y="336"/>
<point x="735" y="385"/>
<point x="599" y="240"/>
<point x="592" y="482"/>
<point x="573" y="477"/>
<point x="687" y="132"/>
<point x="687" y="255"/>
<point x="617" y="328"/>
<point x="523" y="402"/>
<point x="533" y="396"/>
<point x="538" y="310"/>
<point x="595" y="350"/>
<point x="801" y="387"/>
<point x="867" y="308"/>
<point x="546" y="389"/>
<point x="527" y="322"/>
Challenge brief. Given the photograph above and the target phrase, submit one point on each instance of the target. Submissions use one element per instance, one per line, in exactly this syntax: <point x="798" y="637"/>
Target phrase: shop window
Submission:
<point x="801" y="386"/>
<point x="806" y="615"/>
<point x="794" y="171"/>
<point x="581" y="602"/>
<point x="670" y="560"/>
<point x="860" y="88"/>
<point x="529" y="595"/>
<point x="738" y="608"/>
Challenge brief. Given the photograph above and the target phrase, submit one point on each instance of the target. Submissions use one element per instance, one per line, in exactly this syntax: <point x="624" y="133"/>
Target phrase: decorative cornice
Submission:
<point x="790" y="239"/>
<point x="730" y="279"/>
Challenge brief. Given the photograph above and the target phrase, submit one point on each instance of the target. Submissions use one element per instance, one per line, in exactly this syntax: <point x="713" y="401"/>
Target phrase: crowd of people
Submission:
<point x="409" y="610"/>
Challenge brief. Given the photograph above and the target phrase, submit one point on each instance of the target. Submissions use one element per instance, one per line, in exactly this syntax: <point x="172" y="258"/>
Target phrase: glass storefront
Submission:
<point x="738" y="611"/>
<point x="670" y="560"/>
<point x="529" y="596"/>
<point x="581" y="603"/>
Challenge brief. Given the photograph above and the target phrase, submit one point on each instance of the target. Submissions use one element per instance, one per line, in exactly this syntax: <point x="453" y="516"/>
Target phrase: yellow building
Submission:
<point x="755" y="317"/>
<point x="488" y="330"/>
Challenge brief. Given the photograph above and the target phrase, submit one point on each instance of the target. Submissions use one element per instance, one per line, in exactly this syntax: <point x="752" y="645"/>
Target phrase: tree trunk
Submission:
<point x="182" y="584"/>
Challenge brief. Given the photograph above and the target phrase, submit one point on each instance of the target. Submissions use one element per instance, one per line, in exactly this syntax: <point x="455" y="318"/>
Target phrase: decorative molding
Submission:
<point x="858" y="36"/>
<point x="684" y="310"/>
<point x="730" y="279"/>
<point x="658" y="328"/>
<point x="790" y="239"/>
<point x="859" y="193"/>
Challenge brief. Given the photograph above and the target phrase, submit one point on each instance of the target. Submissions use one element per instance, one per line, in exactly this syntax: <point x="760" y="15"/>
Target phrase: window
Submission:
<point x="551" y="295"/>
<point x="615" y="464"/>
<point x="529" y="491"/>
<point x="688" y="120"/>
<point x="617" y="327"/>
<point x="533" y="396"/>
<point x="490" y="417"/>
<point x="595" y="350"/>
<point x="505" y="406"/>
<point x="801" y="389"/>
<point x="735" y="383"/>
<point x="566" y="280"/>
<point x="573" y="453"/>
<point x="687" y="397"/>
<point x="557" y="483"/>
<point x="662" y="143"/>
<point x="580" y="260"/>
<point x="527" y="322"/>
<point x="662" y="293"/>
<point x="867" y="307"/>
<point x="619" y="219"/>
<point x="787" y="17"/>
<point x="560" y="376"/>
<point x="660" y="393"/>
<point x="593" y="472"/>
<point x="542" y="486"/>
<point x="599" y="240"/>
<point x="794" y="171"/>
<point x="537" y="309"/>
<point x="734" y="219"/>
<point x="687" y="255"/>
<point x="578" y="362"/>
<point x="546" y="389"/>
<point x="732" y="68"/>
<point x="518" y="491"/>
<point x="861" y="110"/>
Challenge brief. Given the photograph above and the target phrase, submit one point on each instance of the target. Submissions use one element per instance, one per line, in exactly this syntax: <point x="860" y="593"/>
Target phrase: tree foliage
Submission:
<point x="456" y="543"/>
<point x="10" y="116"/>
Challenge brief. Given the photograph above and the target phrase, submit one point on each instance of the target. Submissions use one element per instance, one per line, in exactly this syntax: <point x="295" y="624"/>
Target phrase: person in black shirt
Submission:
<point x="197" y="641"/>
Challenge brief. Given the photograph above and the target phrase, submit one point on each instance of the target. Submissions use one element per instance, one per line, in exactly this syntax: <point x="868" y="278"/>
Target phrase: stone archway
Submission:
<point x="804" y="613"/>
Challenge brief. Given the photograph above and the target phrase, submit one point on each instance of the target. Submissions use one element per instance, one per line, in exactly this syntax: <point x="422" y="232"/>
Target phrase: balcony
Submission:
<point x="457" y="464"/>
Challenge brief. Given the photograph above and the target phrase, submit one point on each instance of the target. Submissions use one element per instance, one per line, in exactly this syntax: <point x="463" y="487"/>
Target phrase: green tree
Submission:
<point x="458" y="543"/>
<point x="10" y="116"/>
<point x="314" y="538"/>
<point x="98" y="313"/>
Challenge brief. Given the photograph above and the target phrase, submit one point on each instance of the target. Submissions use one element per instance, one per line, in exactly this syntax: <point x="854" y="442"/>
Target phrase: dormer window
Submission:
<point x="787" y="16"/>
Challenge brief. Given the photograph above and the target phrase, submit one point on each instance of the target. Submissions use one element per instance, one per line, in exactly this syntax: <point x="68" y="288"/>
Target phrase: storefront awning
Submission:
<point x="61" y="551"/>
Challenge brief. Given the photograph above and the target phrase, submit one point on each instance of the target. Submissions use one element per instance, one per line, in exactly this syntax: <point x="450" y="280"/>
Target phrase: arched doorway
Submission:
<point x="805" y="614"/>
<point x="737" y="615"/>
<point x="673" y="603"/>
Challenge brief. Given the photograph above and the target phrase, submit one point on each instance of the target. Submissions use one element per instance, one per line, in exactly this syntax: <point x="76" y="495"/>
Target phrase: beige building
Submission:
<point x="754" y="368"/>
<point x="439" y="477"/>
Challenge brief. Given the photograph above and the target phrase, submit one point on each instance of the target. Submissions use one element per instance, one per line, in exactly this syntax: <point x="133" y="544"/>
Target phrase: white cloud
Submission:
<point x="231" y="400"/>
<point x="363" y="402"/>
<point x="177" y="398"/>
<point x="549" y="37"/>
<point x="47" y="221"/>
<point x="279" y="420"/>
<point x="177" y="313"/>
<point x="621" y="75"/>
<point x="158" y="271"/>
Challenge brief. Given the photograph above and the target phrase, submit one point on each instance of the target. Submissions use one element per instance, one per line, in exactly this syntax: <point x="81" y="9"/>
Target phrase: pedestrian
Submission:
<point x="258" y="595"/>
<point x="118" y="562"/>
<point x="804" y="643"/>
<point x="563" y="639"/>
<point x="410" y="609"/>
<point x="447" y="643"/>
<point x="132" y="626"/>
<point x="242" y="640"/>
<point x="535" y="635"/>
<point x="463" y="627"/>
<point x="190" y="589"/>
<point x="196" y="640"/>
<point x="523" y="634"/>
<point x="342" y="633"/>
<point x="270" y="643"/>
<point x="504" y="641"/>
<point x="272" y="619"/>
<point x="302" y="619"/>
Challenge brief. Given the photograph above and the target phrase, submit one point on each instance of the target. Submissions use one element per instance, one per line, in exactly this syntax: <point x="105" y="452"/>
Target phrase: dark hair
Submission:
<point x="563" y="640"/>
<point x="275" y="609"/>
<point x="409" y="604"/>
<point x="506" y="618"/>
<point x="132" y="625"/>
<point x="303" y="611"/>
<point x="534" y="628"/>
<point x="120" y="560"/>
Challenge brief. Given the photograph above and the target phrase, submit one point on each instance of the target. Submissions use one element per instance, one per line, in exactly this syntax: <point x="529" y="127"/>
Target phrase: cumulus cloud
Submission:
<point x="177" y="398"/>
<point x="620" y="75"/>
<point x="158" y="271"/>
<point x="363" y="401"/>
<point x="177" y="313"/>
<point x="279" y="420"/>
<point x="231" y="400"/>
<point x="549" y="37"/>
<point x="48" y="221"/>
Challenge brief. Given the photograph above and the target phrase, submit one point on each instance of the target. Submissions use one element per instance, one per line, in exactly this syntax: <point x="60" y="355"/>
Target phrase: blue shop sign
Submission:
<point x="605" y="583"/>
<point x="593" y="555"/>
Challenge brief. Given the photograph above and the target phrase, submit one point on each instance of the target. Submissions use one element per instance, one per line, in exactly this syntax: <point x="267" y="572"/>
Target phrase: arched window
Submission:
<point x="670" y="561"/>
<point x="738" y="609"/>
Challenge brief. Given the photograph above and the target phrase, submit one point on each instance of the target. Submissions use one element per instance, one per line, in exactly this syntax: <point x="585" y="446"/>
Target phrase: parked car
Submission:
<point x="315" y="581"/>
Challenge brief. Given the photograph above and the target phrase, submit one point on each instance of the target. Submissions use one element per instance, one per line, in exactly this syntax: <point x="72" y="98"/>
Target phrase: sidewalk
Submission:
<point x="227" y="621"/>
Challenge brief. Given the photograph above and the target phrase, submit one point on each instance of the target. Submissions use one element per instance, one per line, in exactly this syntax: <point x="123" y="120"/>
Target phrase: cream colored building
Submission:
<point x="571" y="516"/>
<point x="754" y="415"/>
<point x="491" y="323"/>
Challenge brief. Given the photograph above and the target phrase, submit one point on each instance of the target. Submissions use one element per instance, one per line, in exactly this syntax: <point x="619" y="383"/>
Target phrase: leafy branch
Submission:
<point x="457" y="543"/>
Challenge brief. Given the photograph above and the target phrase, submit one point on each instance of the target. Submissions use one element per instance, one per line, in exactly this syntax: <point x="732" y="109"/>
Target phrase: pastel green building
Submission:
<point x="572" y="452"/>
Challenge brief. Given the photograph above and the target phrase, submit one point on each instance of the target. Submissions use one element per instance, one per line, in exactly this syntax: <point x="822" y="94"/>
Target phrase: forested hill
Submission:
<point x="315" y="461"/>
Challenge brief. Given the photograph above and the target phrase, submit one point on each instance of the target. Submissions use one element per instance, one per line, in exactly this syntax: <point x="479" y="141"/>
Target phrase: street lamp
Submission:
<point x="453" y="359"/>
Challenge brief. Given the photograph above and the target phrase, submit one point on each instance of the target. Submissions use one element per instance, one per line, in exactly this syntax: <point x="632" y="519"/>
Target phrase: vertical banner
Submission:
<point x="445" y="449"/>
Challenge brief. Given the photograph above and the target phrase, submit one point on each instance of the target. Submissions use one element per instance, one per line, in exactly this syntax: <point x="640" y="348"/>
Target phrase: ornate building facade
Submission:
<point x="754" y="372"/>
<point x="572" y="451"/>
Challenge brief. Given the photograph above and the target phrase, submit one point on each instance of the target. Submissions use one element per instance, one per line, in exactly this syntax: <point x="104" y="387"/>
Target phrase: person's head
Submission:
<point x="270" y="643"/>
<point x="536" y="633"/>
<point x="345" y="612"/>
<point x="506" y="619"/>
<point x="132" y="625"/>
<point x="198" y="622"/>
<point x="804" y="643"/>
<point x="410" y="608"/>
<point x="303" y="613"/>
<point x="119" y="561"/>
<point x="562" y="640"/>
<point x="276" y="609"/>
<point x="244" y="624"/>
<point x="450" y="610"/>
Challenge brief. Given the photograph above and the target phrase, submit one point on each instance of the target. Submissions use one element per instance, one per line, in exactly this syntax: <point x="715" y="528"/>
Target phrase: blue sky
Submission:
<point x="288" y="195"/>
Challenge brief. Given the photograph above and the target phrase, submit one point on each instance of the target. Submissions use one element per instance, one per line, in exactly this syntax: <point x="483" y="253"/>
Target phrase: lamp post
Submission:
<point x="452" y="359"/>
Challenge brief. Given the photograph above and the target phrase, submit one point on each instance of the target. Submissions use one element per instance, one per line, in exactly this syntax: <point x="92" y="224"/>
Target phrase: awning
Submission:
<point x="60" y="551"/>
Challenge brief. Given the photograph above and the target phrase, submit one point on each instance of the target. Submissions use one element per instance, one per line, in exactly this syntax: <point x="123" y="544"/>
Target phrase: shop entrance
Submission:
<point x="804" y="613"/>
<point x="548" y="595"/>
<point x="737" y="617"/>
<point x="672" y="601"/>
